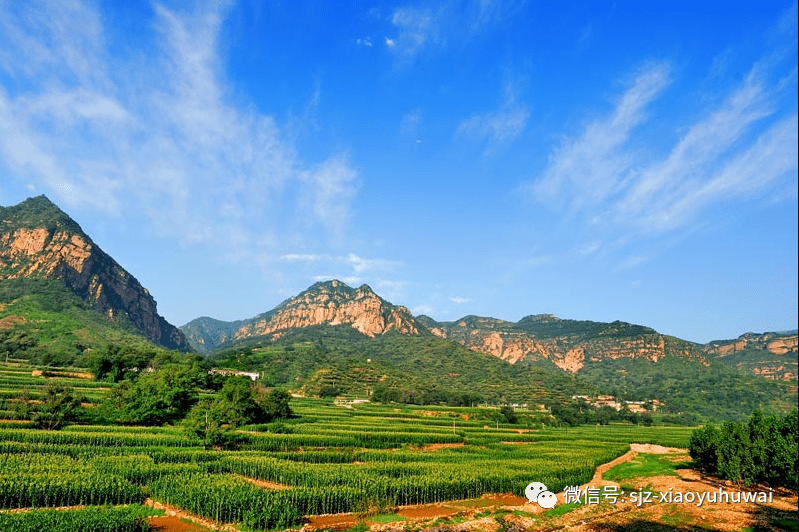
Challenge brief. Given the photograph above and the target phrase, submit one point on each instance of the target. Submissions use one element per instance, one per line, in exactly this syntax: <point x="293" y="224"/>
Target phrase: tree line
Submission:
<point x="764" y="449"/>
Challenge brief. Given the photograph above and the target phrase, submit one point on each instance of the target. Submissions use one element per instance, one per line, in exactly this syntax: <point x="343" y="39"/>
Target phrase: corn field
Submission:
<point x="328" y="460"/>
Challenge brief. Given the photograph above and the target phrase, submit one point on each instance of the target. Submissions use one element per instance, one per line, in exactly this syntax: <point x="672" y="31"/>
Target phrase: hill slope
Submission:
<point x="38" y="240"/>
<point x="42" y="321"/>
<point x="338" y="338"/>
<point x="326" y="303"/>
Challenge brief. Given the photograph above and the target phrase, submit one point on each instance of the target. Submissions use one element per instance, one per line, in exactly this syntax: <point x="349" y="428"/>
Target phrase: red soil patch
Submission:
<point x="427" y="512"/>
<point x="265" y="483"/>
<point x="334" y="522"/>
<point x="171" y="523"/>
<point x="507" y="499"/>
<point x="9" y="322"/>
<point x="437" y="446"/>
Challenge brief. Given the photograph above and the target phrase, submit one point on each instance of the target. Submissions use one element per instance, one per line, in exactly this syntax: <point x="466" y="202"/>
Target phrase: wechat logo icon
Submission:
<point x="537" y="492"/>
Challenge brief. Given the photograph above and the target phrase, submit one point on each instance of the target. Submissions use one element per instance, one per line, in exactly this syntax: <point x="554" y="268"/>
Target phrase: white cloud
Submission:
<point x="460" y="300"/>
<point x="330" y="189"/>
<point x="632" y="261"/>
<point x="592" y="166"/>
<point x="735" y="149"/>
<point x="419" y="29"/>
<point x="416" y="28"/>
<point x="500" y="126"/>
<point x="410" y="122"/>
<point x="160" y="131"/>
<point x="360" y="265"/>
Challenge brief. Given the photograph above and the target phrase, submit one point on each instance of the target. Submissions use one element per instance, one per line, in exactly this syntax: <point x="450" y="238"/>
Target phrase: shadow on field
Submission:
<point x="642" y="525"/>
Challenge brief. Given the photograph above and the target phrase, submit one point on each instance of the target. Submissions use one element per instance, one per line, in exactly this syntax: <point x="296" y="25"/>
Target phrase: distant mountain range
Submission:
<point x="59" y="289"/>
<point x="570" y="345"/>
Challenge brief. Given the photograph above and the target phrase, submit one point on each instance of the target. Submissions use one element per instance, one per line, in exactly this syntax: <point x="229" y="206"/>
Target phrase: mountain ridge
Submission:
<point x="572" y="345"/>
<point x="39" y="240"/>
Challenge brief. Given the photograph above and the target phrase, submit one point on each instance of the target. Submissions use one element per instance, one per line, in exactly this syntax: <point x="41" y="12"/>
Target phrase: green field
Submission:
<point x="350" y="458"/>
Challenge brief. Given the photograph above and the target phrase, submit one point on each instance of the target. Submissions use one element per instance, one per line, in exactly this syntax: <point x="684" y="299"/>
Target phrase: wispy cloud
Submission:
<point x="589" y="168"/>
<point x="417" y="29"/>
<point x="410" y="122"/>
<point x="163" y="130"/>
<point x="419" y="310"/>
<point x="500" y="126"/>
<point x="358" y="264"/>
<point x="735" y="148"/>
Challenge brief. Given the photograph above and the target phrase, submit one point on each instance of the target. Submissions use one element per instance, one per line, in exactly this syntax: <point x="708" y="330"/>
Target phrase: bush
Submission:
<point x="763" y="450"/>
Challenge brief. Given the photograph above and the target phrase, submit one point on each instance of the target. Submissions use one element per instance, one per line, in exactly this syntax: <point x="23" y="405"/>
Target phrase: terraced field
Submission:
<point x="363" y="458"/>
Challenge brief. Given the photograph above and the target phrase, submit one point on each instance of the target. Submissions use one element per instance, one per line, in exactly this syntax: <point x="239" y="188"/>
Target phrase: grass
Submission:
<point x="675" y="517"/>
<point x="645" y="465"/>
<point x="563" y="509"/>
<point x="386" y="518"/>
<point x="787" y="524"/>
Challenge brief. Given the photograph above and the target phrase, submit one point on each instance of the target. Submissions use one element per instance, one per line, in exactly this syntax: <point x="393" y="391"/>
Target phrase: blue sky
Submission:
<point x="599" y="160"/>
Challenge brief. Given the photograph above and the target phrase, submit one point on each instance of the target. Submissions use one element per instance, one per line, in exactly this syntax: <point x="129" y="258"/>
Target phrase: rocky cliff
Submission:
<point x="324" y="303"/>
<point x="570" y="344"/>
<point x="771" y="355"/>
<point x="37" y="239"/>
<point x="333" y="303"/>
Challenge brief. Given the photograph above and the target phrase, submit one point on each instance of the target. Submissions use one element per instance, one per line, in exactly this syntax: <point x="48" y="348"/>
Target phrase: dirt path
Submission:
<point x="606" y="517"/>
<point x="265" y="483"/>
<point x="177" y="514"/>
<point x="601" y="470"/>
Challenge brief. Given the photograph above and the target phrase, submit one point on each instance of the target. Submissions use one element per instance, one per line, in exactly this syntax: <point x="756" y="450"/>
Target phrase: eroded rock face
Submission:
<point x="769" y="355"/>
<point x="333" y="303"/>
<point x="57" y="248"/>
<point x="570" y="350"/>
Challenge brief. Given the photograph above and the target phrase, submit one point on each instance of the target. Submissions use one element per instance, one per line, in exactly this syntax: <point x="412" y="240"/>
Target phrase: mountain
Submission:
<point x="332" y="336"/>
<point x="338" y="359"/>
<point x="206" y="334"/>
<point x="39" y="241"/>
<point x="774" y="355"/>
<point x="570" y="344"/>
<point x="325" y="303"/>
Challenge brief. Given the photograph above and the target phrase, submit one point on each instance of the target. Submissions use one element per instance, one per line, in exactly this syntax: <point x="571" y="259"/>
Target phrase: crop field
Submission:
<point x="328" y="459"/>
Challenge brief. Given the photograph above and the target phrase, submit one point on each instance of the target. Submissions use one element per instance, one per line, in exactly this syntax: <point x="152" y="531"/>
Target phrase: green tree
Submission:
<point x="702" y="448"/>
<point x="275" y="403"/>
<point x="57" y="406"/>
<point x="203" y="422"/>
<point x="508" y="413"/>
<point x="235" y="403"/>
<point x="157" y="397"/>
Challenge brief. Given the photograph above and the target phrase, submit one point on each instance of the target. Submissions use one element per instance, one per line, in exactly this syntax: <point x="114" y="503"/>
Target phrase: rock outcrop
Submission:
<point x="333" y="303"/>
<point x="37" y="239"/>
<point x="569" y="344"/>
<point x="325" y="303"/>
<point x="771" y="355"/>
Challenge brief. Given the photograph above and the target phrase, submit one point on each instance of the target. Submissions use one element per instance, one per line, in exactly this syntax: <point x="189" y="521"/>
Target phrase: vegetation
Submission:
<point x="716" y="391"/>
<point x="57" y="406"/>
<point x="93" y="519"/>
<point x="763" y="450"/>
<point x="338" y="360"/>
<point x="44" y="322"/>
<point x="359" y="458"/>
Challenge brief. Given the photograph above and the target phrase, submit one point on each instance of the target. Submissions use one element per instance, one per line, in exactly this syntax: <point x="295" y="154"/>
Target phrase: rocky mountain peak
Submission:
<point x="37" y="239"/>
<point x="333" y="303"/>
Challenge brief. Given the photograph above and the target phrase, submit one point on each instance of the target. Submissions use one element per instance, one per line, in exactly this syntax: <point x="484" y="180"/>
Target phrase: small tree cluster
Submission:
<point x="762" y="450"/>
<point x="57" y="406"/>
<point x="239" y="402"/>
